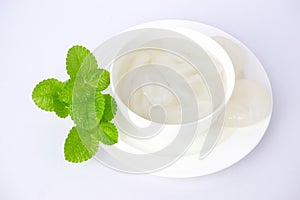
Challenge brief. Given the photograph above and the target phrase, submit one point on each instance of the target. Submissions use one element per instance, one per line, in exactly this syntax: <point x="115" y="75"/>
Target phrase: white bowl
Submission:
<point x="138" y="131"/>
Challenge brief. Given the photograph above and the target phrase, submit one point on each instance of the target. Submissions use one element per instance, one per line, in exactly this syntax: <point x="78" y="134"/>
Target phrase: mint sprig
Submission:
<point x="81" y="98"/>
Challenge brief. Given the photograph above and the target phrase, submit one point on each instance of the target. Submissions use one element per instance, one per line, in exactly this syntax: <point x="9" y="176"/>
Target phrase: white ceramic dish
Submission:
<point x="235" y="143"/>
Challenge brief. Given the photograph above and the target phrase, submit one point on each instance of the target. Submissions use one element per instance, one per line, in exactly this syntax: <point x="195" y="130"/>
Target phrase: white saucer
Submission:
<point x="235" y="143"/>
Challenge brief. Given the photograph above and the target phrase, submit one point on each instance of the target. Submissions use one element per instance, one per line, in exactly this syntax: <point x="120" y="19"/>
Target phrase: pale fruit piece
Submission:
<point x="235" y="53"/>
<point x="249" y="104"/>
<point x="137" y="101"/>
<point x="134" y="60"/>
<point x="182" y="91"/>
<point x="158" y="95"/>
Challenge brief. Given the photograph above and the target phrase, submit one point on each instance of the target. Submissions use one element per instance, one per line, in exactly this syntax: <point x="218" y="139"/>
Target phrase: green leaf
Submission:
<point x="99" y="105"/>
<point x="89" y="73"/>
<point x="45" y="93"/>
<point x="108" y="133"/>
<point x="110" y="108"/>
<point x="76" y="56"/>
<point x="104" y="80"/>
<point x="80" y="145"/>
<point x="88" y="111"/>
<point x="61" y="109"/>
<point x="87" y="79"/>
<point x="84" y="113"/>
<point x="66" y="93"/>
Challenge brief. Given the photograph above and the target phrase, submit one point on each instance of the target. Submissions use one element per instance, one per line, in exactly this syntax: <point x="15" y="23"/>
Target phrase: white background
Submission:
<point x="34" y="39"/>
